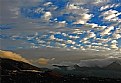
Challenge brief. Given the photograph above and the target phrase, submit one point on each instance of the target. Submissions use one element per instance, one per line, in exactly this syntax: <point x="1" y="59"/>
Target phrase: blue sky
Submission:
<point x="61" y="24"/>
<point x="88" y="18"/>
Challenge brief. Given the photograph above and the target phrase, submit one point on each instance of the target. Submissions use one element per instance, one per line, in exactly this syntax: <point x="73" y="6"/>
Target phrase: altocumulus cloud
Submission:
<point x="72" y="24"/>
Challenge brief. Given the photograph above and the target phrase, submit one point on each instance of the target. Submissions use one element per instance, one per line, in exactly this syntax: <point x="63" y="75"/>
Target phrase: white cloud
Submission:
<point x="73" y="6"/>
<point x="104" y="7"/>
<point x="107" y="30"/>
<point x="73" y="37"/>
<point x="102" y="40"/>
<point x="114" y="41"/>
<point x="62" y="24"/>
<point x="48" y="3"/>
<point x="116" y="36"/>
<point x="111" y="15"/>
<point x="64" y="34"/>
<point x="70" y="42"/>
<point x="96" y="43"/>
<point x="59" y="40"/>
<point x="109" y="12"/>
<point x="84" y="18"/>
<point x="118" y="31"/>
<point x="77" y="31"/>
<point x="52" y="37"/>
<point x="92" y="25"/>
<point x="101" y="1"/>
<point x="109" y="6"/>
<point x="85" y="42"/>
<point x="63" y="45"/>
<point x="76" y="13"/>
<point x="91" y="34"/>
<point x="113" y="46"/>
<point x="47" y="15"/>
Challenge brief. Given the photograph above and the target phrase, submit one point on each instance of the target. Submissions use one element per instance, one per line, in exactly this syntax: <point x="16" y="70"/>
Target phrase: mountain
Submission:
<point x="83" y="68"/>
<point x="114" y="66"/>
<point x="9" y="64"/>
<point x="20" y="72"/>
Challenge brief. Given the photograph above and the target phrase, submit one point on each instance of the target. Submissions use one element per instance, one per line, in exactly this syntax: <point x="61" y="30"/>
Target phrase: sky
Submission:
<point x="61" y="31"/>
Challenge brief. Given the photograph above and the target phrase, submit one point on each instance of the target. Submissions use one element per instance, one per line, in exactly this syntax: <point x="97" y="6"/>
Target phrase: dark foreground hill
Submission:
<point x="19" y="72"/>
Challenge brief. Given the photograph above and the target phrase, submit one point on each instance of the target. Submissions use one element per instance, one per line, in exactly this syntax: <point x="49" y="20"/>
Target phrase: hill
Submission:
<point x="20" y="72"/>
<point x="114" y="66"/>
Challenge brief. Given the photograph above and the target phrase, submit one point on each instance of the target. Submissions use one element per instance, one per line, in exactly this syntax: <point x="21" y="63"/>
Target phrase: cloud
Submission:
<point x="11" y="55"/>
<point x="73" y="28"/>
<point x="91" y="35"/>
<point x="118" y="30"/>
<point x="109" y="6"/>
<point x="47" y="16"/>
<point x="43" y="61"/>
<point x="111" y="15"/>
<point x="84" y="18"/>
<point x="70" y="42"/>
<point x="107" y="30"/>
<point x="62" y="23"/>
<point x="74" y="22"/>
<point x="72" y="6"/>
<point x="114" y="41"/>
<point x="116" y="36"/>
<point x="49" y="56"/>
<point x="89" y="1"/>
<point x="52" y="37"/>
<point x="114" y="44"/>
<point x="99" y="40"/>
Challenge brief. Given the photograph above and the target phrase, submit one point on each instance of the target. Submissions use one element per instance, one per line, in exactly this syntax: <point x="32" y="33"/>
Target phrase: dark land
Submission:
<point x="19" y="72"/>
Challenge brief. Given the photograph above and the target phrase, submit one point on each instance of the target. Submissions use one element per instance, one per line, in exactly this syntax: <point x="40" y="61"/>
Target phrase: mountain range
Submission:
<point x="19" y="72"/>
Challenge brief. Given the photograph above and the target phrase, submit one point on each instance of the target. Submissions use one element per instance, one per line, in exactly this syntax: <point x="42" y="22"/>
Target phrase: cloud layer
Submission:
<point x="92" y="26"/>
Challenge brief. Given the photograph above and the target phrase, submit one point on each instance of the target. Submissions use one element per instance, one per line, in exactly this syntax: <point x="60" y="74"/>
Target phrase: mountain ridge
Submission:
<point x="14" y="73"/>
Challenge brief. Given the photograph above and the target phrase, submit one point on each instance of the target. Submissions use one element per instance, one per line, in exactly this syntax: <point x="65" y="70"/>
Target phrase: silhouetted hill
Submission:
<point x="77" y="67"/>
<point x="112" y="70"/>
<point x="20" y="72"/>
<point x="9" y="64"/>
<point x="114" y="66"/>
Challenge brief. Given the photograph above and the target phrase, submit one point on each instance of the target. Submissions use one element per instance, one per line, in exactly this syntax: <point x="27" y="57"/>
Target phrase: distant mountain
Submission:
<point x="20" y="72"/>
<point x="77" y="67"/>
<point x="114" y="66"/>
